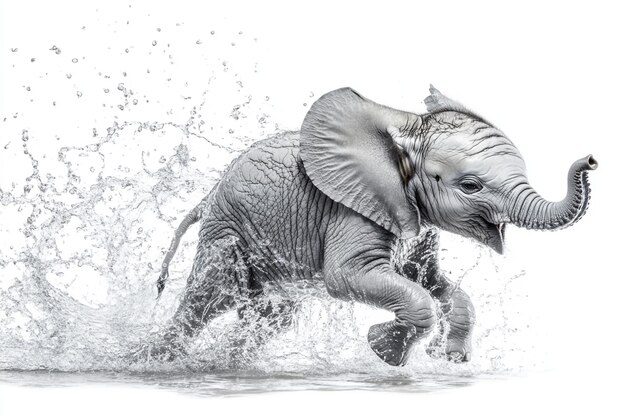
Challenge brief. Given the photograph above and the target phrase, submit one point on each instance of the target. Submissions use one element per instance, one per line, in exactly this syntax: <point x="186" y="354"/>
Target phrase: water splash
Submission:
<point x="78" y="284"/>
<point x="88" y="212"/>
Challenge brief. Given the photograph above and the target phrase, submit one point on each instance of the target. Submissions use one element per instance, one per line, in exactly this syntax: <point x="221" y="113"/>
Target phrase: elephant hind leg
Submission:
<point x="219" y="279"/>
<point x="194" y="312"/>
<point x="200" y="305"/>
<point x="261" y="319"/>
<point x="268" y="315"/>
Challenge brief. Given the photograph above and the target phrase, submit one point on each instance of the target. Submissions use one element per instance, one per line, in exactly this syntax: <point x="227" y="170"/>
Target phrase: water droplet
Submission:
<point x="124" y="73"/>
<point x="162" y="160"/>
<point x="140" y="230"/>
<point x="231" y="131"/>
<point x="198" y="42"/>
<point x="154" y="43"/>
<point x="92" y="169"/>
<point x="212" y="32"/>
<point x="32" y="59"/>
<point x="311" y="94"/>
<point x="119" y="106"/>
<point x="79" y="94"/>
<point x="304" y="104"/>
<point x="127" y="50"/>
<point x="267" y="98"/>
<point x="74" y="60"/>
<point x="25" y="135"/>
<point x="68" y="75"/>
<point x="235" y="113"/>
<point x="135" y="101"/>
<point x="120" y="86"/>
<point x="13" y="49"/>
<point x="27" y="88"/>
<point x="106" y="90"/>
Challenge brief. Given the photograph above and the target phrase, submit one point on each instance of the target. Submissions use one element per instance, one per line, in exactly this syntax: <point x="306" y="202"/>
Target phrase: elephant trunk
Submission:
<point x="531" y="211"/>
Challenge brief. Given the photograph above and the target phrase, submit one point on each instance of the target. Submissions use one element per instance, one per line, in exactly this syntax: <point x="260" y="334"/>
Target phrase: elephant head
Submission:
<point x="448" y="167"/>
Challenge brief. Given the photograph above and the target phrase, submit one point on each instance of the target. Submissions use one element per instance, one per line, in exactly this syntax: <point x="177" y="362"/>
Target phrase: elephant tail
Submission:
<point x="193" y="217"/>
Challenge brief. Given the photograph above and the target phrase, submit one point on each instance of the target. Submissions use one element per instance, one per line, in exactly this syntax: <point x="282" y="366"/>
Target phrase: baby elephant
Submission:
<point x="356" y="199"/>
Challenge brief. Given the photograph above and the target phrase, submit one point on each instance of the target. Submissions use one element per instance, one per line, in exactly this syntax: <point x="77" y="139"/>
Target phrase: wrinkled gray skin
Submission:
<point x="356" y="198"/>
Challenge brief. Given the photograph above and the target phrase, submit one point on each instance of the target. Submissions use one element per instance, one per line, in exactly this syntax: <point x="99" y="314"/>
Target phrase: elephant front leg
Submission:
<point x="419" y="263"/>
<point x="383" y="288"/>
<point x="454" y="336"/>
<point x="357" y="266"/>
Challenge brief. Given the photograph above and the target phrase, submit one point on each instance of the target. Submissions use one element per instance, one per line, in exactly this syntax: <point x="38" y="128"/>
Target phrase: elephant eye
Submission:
<point x="470" y="186"/>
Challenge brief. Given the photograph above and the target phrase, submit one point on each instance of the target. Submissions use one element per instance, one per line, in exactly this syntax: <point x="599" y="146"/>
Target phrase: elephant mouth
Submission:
<point x="495" y="237"/>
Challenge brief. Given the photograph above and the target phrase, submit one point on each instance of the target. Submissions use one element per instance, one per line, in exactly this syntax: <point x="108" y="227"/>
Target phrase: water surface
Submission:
<point x="229" y="383"/>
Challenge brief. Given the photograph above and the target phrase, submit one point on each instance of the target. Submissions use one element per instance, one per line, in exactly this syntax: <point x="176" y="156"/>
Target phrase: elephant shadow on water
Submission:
<point x="355" y="200"/>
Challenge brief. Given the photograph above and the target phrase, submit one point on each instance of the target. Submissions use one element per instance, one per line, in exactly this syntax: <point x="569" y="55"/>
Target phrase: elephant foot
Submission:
<point x="391" y="342"/>
<point x="454" y="349"/>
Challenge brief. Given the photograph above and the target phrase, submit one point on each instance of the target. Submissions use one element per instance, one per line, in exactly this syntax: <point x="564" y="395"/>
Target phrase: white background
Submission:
<point x="549" y="74"/>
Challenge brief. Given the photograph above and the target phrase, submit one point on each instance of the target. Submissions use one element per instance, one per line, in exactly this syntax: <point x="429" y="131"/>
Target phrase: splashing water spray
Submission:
<point x="88" y="212"/>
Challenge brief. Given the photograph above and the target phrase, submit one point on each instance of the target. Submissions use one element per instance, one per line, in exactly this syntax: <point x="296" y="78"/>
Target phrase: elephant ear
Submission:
<point x="437" y="102"/>
<point x="349" y="153"/>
